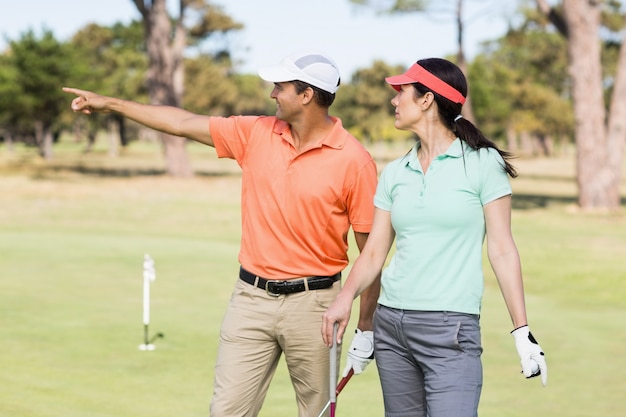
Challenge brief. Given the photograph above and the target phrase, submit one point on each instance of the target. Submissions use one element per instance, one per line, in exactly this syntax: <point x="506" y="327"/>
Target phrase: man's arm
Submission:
<point x="168" y="119"/>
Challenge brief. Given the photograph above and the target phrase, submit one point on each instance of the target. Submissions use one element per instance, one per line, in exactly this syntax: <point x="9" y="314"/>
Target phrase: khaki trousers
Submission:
<point x="257" y="329"/>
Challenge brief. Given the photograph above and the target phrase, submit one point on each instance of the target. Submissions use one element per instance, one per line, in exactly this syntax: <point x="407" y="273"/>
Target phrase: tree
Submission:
<point x="166" y="39"/>
<point x="40" y="66"/>
<point x="364" y="105"/>
<point x="110" y="60"/>
<point x="600" y="137"/>
<point x="9" y="89"/>
<point x="211" y="88"/>
<point x="519" y="91"/>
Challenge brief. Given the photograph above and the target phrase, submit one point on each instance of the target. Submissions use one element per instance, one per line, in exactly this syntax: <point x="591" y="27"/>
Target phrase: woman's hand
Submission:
<point x="339" y="312"/>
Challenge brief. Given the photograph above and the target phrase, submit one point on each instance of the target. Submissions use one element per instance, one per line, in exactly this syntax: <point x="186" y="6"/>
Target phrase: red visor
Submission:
<point x="417" y="74"/>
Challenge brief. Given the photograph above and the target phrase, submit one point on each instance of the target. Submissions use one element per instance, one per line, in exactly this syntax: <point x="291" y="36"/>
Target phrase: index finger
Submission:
<point x="341" y="329"/>
<point x="333" y="330"/>
<point x="74" y="91"/>
<point x="327" y="331"/>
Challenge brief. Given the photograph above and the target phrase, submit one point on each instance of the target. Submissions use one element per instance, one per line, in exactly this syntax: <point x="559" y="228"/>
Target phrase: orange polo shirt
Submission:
<point x="296" y="209"/>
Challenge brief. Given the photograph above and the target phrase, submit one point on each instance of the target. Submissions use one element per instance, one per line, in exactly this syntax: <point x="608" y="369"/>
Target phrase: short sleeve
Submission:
<point x="494" y="181"/>
<point x="231" y="135"/>
<point x="360" y="201"/>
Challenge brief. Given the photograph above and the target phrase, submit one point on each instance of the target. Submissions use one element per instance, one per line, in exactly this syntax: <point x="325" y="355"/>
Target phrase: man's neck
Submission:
<point x="310" y="134"/>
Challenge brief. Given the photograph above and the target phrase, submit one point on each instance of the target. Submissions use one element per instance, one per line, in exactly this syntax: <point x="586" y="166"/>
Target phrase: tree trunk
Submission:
<point x="47" y="143"/>
<point x="526" y="143"/>
<point x="113" y="137"/>
<point x="594" y="176"/>
<point x="617" y="124"/>
<point x="165" y="81"/>
<point x="599" y="149"/>
<point x="91" y="141"/>
<point x="468" y="112"/>
<point x="546" y="144"/>
<point x="8" y="141"/>
<point x="511" y="139"/>
<point x="43" y="138"/>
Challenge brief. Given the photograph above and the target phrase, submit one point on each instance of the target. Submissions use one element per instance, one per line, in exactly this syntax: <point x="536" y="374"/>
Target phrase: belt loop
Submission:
<point x="256" y="281"/>
<point x="306" y="284"/>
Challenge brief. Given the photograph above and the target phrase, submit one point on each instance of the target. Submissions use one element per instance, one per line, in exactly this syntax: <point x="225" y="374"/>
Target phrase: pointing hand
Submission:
<point x="87" y="102"/>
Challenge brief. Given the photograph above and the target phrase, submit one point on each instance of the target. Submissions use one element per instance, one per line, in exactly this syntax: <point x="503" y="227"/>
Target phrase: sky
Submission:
<point x="353" y="36"/>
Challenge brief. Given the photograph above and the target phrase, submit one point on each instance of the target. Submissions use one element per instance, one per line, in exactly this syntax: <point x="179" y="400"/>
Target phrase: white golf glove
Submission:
<point x="361" y="352"/>
<point x="532" y="357"/>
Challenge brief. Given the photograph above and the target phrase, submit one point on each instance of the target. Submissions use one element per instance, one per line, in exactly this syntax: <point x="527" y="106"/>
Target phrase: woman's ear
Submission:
<point x="426" y="100"/>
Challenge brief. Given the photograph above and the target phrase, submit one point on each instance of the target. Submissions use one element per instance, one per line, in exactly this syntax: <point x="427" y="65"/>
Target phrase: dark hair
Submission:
<point x="322" y="98"/>
<point x="448" y="110"/>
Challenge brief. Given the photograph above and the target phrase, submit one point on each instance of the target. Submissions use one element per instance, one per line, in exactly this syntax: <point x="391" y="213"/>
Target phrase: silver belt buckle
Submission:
<point x="267" y="289"/>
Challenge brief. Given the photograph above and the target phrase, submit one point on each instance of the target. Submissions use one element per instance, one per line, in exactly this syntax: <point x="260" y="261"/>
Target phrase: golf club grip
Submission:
<point x="344" y="381"/>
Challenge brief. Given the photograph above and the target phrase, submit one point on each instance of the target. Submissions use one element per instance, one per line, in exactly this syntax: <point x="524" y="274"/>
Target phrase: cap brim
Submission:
<point x="397" y="80"/>
<point x="278" y="74"/>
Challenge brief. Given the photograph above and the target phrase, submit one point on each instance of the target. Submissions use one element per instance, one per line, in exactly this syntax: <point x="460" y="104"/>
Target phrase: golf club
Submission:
<point x="333" y="372"/>
<point x="340" y="388"/>
<point x="333" y="379"/>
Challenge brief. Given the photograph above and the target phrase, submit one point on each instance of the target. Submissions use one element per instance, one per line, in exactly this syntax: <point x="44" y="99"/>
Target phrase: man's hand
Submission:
<point x="361" y="352"/>
<point x="533" y="360"/>
<point x="87" y="102"/>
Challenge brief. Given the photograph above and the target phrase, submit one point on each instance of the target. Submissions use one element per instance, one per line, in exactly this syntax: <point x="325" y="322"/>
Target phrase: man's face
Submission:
<point x="288" y="102"/>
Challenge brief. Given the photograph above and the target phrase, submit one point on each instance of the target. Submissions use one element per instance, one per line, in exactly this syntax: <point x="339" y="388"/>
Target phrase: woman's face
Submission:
<point x="408" y="112"/>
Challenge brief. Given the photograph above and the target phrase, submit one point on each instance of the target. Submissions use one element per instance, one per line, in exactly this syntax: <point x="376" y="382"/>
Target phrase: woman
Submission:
<point x="438" y="202"/>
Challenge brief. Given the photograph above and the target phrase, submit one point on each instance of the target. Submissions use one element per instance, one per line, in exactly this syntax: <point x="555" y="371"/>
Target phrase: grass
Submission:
<point x="73" y="233"/>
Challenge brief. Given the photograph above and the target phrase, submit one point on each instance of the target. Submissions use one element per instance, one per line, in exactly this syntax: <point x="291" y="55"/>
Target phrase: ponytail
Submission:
<point x="475" y="139"/>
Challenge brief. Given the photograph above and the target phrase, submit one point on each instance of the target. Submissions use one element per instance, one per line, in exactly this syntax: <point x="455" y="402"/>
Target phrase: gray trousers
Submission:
<point x="428" y="362"/>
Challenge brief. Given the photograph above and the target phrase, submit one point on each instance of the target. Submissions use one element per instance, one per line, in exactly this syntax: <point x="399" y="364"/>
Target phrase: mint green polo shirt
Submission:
<point x="440" y="227"/>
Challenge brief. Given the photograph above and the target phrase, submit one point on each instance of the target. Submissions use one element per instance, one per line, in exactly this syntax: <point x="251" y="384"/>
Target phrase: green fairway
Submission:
<point x="73" y="233"/>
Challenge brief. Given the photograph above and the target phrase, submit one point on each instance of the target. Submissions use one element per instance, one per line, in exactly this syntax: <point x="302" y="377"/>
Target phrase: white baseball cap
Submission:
<point x="312" y="67"/>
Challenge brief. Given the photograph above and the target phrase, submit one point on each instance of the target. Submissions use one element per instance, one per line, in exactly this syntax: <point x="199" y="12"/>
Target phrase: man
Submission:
<point x="305" y="182"/>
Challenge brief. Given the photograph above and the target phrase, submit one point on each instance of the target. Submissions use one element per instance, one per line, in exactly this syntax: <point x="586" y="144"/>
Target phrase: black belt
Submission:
<point x="277" y="287"/>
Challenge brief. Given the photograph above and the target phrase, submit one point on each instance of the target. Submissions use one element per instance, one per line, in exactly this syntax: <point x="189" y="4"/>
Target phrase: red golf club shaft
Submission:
<point x="344" y="381"/>
<point x="339" y="388"/>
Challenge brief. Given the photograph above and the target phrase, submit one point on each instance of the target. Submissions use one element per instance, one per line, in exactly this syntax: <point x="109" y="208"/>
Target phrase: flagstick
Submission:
<point x="148" y="276"/>
<point x="146" y="312"/>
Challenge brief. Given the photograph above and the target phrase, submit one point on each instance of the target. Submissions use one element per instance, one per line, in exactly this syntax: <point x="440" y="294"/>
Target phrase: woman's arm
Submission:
<point x="364" y="272"/>
<point x="504" y="258"/>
